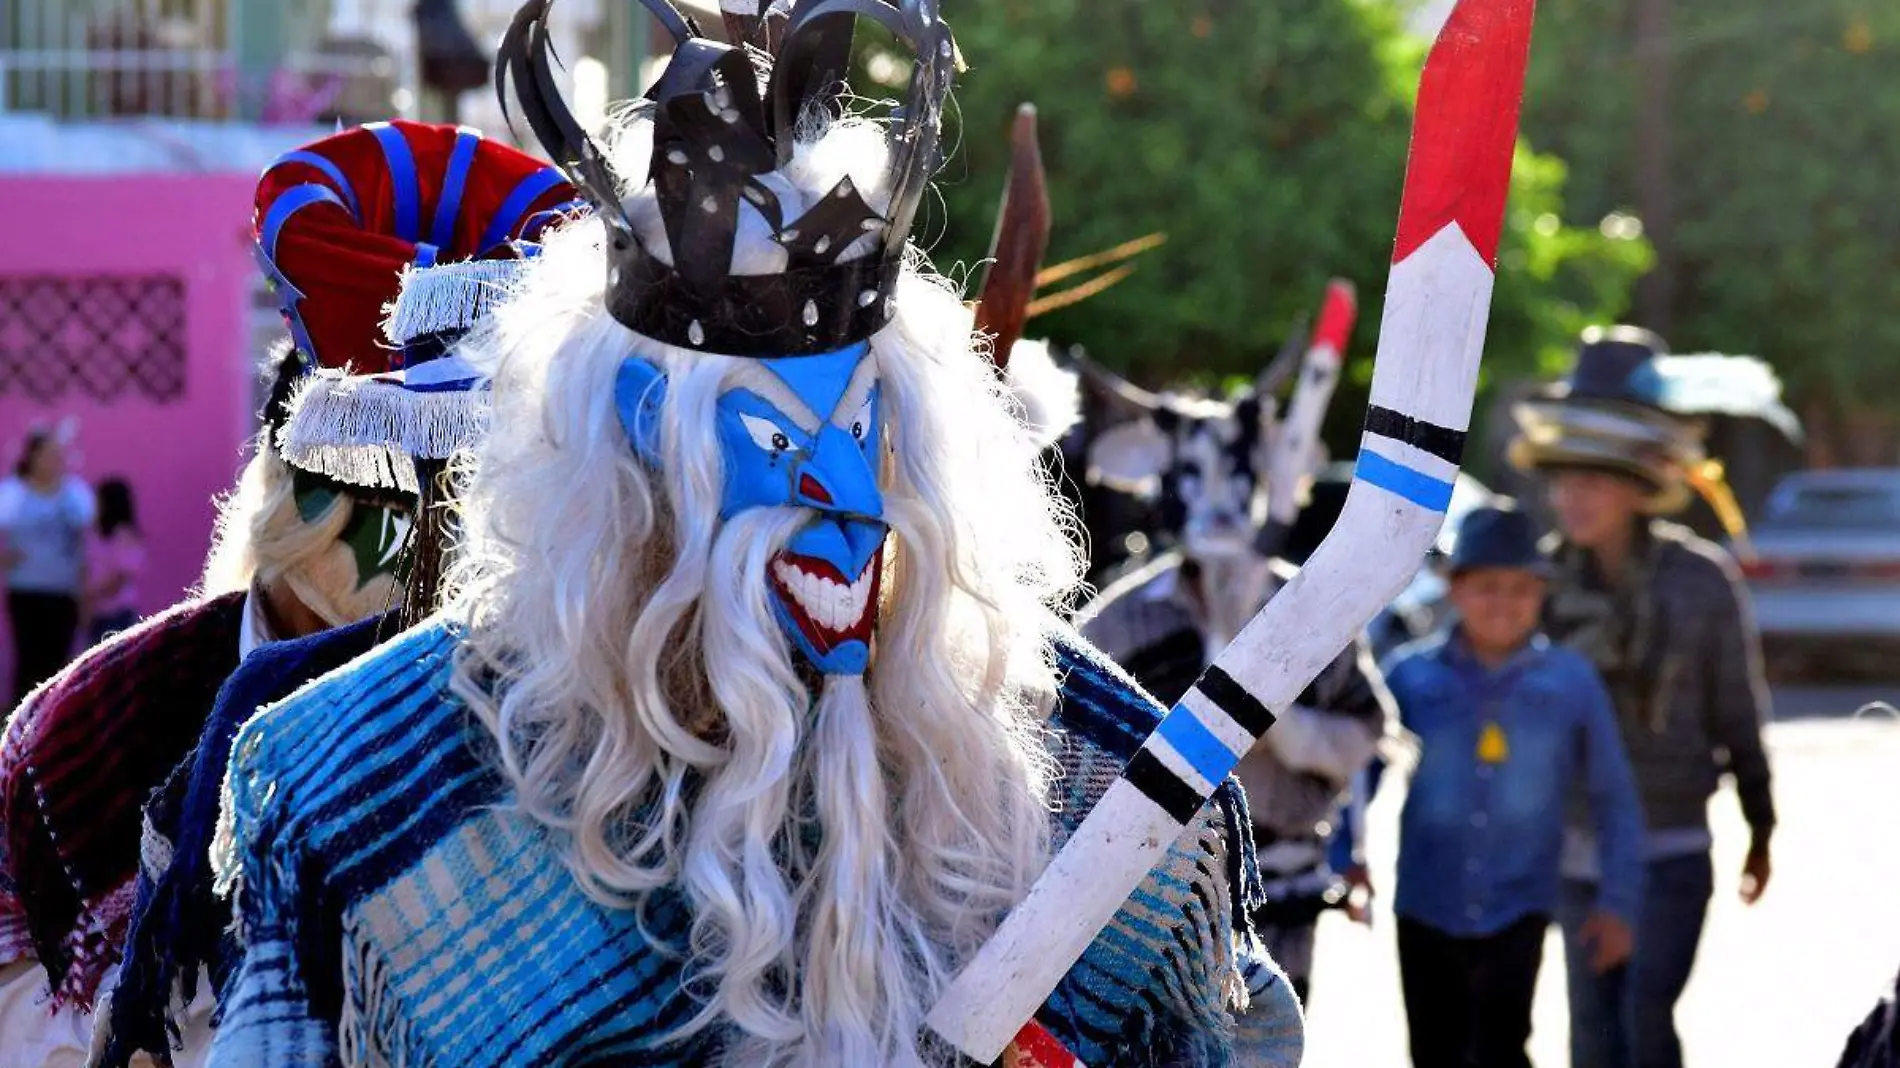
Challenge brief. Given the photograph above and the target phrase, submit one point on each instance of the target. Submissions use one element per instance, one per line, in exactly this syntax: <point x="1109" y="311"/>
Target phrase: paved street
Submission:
<point x="1778" y="985"/>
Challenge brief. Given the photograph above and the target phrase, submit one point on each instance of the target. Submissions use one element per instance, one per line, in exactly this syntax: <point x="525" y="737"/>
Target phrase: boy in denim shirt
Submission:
<point x="1507" y="724"/>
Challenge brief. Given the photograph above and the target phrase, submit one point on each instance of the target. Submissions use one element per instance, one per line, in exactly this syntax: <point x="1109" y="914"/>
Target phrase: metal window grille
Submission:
<point x="103" y="336"/>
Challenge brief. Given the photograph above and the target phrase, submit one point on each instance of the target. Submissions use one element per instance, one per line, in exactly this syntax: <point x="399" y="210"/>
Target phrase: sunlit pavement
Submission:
<point x="1779" y="985"/>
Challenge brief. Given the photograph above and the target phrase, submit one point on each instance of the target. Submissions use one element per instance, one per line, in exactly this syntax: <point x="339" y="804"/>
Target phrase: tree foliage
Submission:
<point x="1786" y="126"/>
<point x="1267" y="139"/>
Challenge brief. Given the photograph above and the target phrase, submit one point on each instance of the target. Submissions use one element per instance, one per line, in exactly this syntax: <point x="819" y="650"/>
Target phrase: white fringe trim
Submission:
<point x="369" y="432"/>
<point x="450" y="297"/>
<point x="367" y="466"/>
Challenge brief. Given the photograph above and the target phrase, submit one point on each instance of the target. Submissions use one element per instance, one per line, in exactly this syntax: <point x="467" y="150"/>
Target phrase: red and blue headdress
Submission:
<point x="340" y="225"/>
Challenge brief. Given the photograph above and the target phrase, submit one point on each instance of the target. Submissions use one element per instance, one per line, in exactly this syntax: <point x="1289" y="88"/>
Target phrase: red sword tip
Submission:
<point x="1466" y="126"/>
<point x="1336" y="316"/>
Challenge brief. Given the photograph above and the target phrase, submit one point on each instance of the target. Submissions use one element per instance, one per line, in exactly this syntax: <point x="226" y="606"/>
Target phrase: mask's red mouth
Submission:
<point x="828" y="608"/>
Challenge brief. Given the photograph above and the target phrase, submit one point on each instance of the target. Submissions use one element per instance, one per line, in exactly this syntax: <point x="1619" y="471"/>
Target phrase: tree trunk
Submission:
<point x="1655" y="187"/>
<point x="1870" y="436"/>
<point x="1817" y="419"/>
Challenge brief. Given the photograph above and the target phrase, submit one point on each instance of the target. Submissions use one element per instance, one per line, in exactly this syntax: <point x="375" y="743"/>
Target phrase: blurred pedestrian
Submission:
<point x="1876" y="1042"/>
<point x="117" y="562"/>
<point x="1664" y="616"/>
<point x="1508" y="724"/>
<point x="45" y="511"/>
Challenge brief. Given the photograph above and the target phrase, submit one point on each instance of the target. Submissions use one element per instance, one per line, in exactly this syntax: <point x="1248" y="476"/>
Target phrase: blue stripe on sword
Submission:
<point x="1188" y="736"/>
<point x="1413" y="485"/>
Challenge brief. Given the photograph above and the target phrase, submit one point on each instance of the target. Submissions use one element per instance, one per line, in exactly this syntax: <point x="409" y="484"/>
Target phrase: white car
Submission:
<point x="1825" y="570"/>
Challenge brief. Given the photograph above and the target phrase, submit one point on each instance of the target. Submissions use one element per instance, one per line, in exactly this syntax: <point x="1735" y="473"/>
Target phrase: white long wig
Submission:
<point x="649" y="709"/>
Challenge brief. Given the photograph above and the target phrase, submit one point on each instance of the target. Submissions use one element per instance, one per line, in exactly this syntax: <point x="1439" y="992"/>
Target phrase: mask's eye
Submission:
<point x="861" y="423"/>
<point x="766" y="434"/>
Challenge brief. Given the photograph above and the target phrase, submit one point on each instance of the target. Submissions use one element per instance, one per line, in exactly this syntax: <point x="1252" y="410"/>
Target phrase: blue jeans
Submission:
<point x="1627" y="1018"/>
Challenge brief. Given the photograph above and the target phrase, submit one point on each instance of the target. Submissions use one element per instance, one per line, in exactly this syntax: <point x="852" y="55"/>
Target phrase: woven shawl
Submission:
<point x="81" y="755"/>
<point x="179" y="927"/>
<point x="392" y="912"/>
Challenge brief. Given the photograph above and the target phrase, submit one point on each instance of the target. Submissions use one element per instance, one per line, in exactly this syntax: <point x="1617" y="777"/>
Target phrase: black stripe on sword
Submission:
<point x="1441" y="441"/>
<point x="1156" y="783"/>
<point x="1231" y="697"/>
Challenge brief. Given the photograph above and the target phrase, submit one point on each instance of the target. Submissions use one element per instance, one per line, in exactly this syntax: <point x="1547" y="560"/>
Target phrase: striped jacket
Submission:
<point x="392" y="912"/>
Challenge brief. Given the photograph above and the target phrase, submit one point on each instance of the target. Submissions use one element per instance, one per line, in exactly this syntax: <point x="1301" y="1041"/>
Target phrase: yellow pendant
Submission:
<point x="1492" y="748"/>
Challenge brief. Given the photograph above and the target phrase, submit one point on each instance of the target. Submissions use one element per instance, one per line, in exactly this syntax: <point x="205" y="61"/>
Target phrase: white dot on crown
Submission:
<point x="867" y="298"/>
<point x="716" y="154"/>
<point x="696" y="333"/>
<point x="709" y="205"/>
<point x="676" y="157"/>
<point x="811" y="313"/>
<point x="822" y="246"/>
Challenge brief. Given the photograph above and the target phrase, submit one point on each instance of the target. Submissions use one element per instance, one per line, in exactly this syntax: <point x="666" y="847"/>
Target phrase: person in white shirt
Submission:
<point x="45" y="511"/>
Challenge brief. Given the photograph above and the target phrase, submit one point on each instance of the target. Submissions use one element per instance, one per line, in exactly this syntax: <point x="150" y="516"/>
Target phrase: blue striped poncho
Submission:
<point x="392" y="911"/>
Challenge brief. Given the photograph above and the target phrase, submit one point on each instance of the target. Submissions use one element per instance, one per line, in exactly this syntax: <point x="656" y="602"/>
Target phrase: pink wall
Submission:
<point x="176" y="439"/>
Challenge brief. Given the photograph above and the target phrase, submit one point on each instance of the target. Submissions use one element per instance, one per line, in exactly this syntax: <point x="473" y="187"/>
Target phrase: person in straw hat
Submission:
<point x="1619" y="445"/>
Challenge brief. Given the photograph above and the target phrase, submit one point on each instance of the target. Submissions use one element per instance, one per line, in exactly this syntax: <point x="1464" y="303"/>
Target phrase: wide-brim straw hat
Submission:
<point x="1650" y="447"/>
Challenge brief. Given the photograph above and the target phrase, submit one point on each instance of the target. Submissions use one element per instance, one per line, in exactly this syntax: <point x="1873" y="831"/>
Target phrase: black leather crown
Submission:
<point x="724" y="115"/>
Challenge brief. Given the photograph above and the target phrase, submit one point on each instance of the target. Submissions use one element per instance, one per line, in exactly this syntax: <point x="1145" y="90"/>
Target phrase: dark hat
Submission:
<point x="1631" y="408"/>
<point x="1498" y="537"/>
<point x="1609" y="414"/>
<point x="1615" y="364"/>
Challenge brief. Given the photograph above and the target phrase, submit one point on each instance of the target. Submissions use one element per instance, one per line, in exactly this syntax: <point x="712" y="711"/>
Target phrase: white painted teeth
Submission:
<point x="832" y="606"/>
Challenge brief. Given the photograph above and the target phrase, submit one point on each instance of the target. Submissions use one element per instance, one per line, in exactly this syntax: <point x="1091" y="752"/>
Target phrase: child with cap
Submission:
<point x="1509" y="726"/>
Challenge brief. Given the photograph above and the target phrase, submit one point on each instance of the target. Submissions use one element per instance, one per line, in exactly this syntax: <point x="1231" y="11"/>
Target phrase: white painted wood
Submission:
<point x="1108" y="856"/>
<point x="1427" y="367"/>
<point x="1296" y="448"/>
<point x="1431" y="334"/>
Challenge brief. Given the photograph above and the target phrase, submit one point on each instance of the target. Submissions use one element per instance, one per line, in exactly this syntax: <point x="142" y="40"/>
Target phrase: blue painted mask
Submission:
<point x="803" y="432"/>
